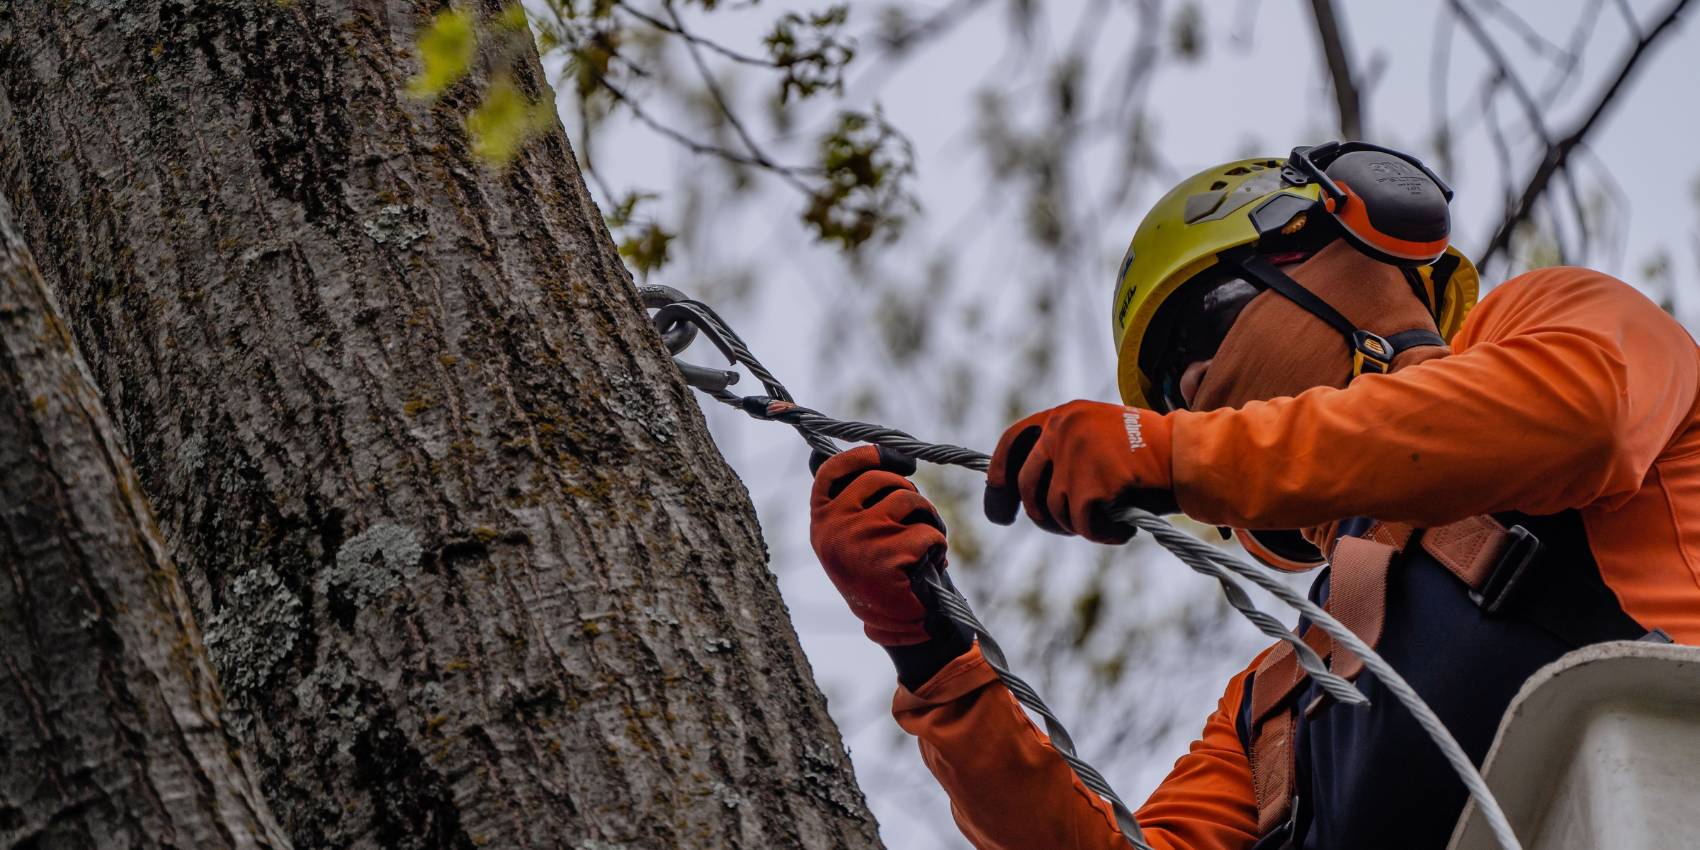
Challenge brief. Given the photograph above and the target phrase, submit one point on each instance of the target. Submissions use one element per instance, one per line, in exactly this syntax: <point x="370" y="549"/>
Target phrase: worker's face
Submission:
<point x="1201" y="327"/>
<point x="1216" y="315"/>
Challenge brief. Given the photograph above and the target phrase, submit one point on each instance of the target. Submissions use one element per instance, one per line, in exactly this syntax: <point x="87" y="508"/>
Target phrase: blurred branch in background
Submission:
<point x="856" y="181"/>
<point x="1336" y="56"/>
<point x="1557" y="154"/>
<point x="1505" y="76"/>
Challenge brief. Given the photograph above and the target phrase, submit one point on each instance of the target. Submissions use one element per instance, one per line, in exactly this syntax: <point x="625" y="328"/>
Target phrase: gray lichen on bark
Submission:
<point x="254" y="632"/>
<point x="371" y="564"/>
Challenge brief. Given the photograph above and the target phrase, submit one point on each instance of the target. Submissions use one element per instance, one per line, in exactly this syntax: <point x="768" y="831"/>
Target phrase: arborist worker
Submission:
<point x="1300" y="361"/>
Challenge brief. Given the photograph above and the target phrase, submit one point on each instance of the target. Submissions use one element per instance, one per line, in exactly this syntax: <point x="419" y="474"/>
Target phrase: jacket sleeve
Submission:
<point x="1564" y="387"/>
<point x="1010" y="789"/>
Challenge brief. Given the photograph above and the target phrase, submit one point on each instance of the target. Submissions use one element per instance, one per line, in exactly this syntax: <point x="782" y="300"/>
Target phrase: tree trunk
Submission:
<point x="469" y="568"/>
<point x="109" y="726"/>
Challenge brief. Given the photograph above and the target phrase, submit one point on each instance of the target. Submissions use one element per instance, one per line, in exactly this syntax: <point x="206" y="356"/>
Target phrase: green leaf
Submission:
<point x="513" y="19"/>
<point x="646" y="248"/>
<point x="643" y="242"/>
<point x="446" y="48"/>
<point x="505" y="121"/>
<point x="866" y="165"/>
<point x="811" y="52"/>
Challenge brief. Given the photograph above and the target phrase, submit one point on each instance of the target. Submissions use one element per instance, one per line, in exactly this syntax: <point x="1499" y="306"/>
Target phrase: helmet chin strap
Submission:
<point x="1287" y="549"/>
<point x="1371" y="352"/>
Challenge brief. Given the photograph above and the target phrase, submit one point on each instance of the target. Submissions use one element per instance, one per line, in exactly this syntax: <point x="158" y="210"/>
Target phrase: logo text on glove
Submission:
<point x="1135" y="436"/>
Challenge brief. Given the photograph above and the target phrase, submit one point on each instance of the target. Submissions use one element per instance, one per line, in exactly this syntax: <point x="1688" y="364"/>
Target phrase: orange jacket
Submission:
<point x="1567" y="389"/>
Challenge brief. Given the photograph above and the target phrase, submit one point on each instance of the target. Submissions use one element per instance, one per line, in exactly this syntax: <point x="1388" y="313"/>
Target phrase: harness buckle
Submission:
<point x="1521" y="549"/>
<point x="1371" y="354"/>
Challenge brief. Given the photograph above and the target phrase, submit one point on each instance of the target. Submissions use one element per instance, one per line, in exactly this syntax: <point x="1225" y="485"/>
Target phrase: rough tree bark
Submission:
<point x="109" y="726"/>
<point x="468" y="566"/>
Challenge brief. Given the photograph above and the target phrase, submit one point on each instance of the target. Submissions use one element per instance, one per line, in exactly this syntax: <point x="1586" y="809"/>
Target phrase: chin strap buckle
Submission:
<point x="1371" y="354"/>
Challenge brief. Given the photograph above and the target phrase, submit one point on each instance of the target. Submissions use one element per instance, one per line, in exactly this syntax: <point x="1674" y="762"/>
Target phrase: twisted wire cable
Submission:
<point x="956" y="608"/>
<point x="817" y="428"/>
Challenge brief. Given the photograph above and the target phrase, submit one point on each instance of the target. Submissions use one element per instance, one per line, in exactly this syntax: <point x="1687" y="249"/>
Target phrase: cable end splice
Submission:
<point x="765" y="407"/>
<point x="756" y="406"/>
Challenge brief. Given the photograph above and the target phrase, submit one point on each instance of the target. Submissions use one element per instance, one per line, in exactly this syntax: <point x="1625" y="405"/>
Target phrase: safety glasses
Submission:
<point x="1199" y="329"/>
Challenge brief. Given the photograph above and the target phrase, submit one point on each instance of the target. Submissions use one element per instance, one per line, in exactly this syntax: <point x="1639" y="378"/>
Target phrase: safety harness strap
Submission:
<point x="1474" y="549"/>
<point x="1274" y="761"/>
<point x="1469" y="549"/>
<point x="1357" y="595"/>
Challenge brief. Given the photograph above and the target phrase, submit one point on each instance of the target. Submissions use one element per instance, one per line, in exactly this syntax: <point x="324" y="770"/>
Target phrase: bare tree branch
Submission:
<point x="1531" y="37"/>
<point x="1501" y="149"/>
<point x="756" y="153"/>
<point x="1440" y="77"/>
<point x="1347" y="99"/>
<point x="1629" y="18"/>
<point x="1617" y="243"/>
<point x="1531" y="113"/>
<point x="1579" y="35"/>
<point x="1243" y="35"/>
<point x="692" y="38"/>
<point x="695" y="145"/>
<point x="894" y="46"/>
<point x="930" y="27"/>
<point x="587" y="154"/>
<point x="1558" y="154"/>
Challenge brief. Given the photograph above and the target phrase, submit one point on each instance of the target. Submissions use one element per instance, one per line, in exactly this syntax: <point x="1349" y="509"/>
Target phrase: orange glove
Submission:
<point x="870" y="528"/>
<point x="1070" y="466"/>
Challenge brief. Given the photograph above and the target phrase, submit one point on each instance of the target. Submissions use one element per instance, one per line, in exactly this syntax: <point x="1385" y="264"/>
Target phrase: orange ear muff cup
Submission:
<point x="1354" y="216"/>
<point x="1391" y="209"/>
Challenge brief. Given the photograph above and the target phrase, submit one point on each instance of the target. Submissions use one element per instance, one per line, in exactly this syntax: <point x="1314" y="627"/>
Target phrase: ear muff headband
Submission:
<point x="1390" y="205"/>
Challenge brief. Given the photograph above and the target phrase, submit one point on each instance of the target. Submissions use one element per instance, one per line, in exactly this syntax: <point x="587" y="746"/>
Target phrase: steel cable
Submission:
<point x="673" y="308"/>
<point x="956" y="608"/>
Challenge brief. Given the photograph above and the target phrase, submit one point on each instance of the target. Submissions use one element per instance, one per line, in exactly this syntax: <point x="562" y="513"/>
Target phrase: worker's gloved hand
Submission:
<point x="1070" y="466"/>
<point x="871" y="528"/>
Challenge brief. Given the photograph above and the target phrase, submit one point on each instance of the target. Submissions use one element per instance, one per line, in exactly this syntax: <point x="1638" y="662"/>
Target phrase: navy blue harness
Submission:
<point x="1368" y="778"/>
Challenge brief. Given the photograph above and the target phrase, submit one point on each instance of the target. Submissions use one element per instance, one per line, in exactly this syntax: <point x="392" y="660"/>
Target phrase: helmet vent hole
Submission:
<point x="1238" y="170"/>
<point x="1220" y="184"/>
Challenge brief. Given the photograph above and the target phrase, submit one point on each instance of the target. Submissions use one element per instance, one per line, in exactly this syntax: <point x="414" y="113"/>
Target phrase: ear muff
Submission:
<point x="1391" y="210"/>
<point x="1388" y="204"/>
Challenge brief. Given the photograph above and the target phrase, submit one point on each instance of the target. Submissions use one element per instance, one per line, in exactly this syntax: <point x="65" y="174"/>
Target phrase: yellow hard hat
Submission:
<point x="1221" y="219"/>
